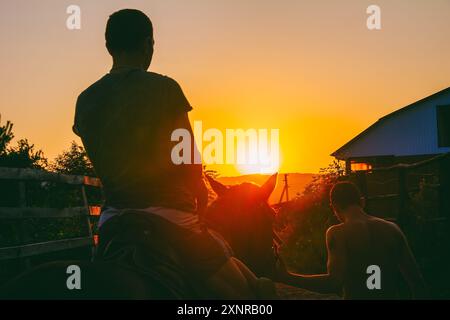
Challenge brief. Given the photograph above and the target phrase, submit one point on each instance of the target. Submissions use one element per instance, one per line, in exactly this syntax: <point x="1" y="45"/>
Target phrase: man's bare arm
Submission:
<point x="195" y="171"/>
<point x="333" y="279"/>
<point x="409" y="269"/>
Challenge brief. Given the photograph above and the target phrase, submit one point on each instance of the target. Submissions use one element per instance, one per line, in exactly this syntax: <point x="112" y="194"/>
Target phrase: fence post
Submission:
<point x="361" y="179"/>
<point x="88" y="216"/>
<point x="24" y="228"/>
<point x="444" y="190"/>
<point x="403" y="198"/>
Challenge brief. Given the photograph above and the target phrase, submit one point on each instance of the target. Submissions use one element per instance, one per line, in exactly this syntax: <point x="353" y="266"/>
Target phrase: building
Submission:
<point x="416" y="132"/>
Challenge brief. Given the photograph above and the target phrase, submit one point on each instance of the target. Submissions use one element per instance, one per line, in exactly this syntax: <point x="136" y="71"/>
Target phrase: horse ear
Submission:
<point x="268" y="186"/>
<point x="217" y="187"/>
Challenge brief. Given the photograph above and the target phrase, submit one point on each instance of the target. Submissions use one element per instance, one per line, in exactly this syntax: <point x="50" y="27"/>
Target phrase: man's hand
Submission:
<point x="202" y="197"/>
<point x="329" y="282"/>
<point x="409" y="269"/>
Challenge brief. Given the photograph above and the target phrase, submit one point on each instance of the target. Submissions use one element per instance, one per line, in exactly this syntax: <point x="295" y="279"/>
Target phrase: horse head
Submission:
<point x="242" y="215"/>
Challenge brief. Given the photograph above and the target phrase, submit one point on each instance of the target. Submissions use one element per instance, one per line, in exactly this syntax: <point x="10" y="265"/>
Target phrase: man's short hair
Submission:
<point x="126" y="30"/>
<point x="344" y="194"/>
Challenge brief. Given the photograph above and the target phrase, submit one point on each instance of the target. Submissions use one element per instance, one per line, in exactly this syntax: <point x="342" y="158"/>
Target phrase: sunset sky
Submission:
<point x="309" y="68"/>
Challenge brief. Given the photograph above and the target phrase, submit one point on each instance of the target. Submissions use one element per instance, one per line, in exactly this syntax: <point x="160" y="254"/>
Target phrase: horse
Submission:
<point x="240" y="214"/>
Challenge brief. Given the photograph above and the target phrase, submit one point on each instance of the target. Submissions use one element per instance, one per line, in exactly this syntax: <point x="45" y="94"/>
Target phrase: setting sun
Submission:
<point x="269" y="167"/>
<point x="253" y="169"/>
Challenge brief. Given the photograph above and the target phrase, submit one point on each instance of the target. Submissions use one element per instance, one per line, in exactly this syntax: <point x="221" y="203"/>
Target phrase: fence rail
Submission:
<point x="412" y="165"/>
<point x="401" y="181"/>
<point x="19" y="174"/>
<point x="33" y="249"/>
<point x="22" y="211"/>
<point x="29" y="212"/>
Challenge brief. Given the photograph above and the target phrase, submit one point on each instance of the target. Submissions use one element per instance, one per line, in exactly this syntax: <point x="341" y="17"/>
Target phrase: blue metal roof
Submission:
<point x="411" y="130"/>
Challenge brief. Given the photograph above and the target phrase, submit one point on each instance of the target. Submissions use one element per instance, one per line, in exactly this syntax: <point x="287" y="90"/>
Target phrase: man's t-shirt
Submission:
<point x="125" y="121"/>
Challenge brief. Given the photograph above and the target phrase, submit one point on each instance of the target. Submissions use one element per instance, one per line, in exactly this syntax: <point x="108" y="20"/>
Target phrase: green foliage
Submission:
<point x="73" y="161"/>
<point x="23" y="155"/>
<point x="6" y="136"/>
<point x="305" y="222"/>
<point x="325" y="179"/>
<point x="42" y="194"/>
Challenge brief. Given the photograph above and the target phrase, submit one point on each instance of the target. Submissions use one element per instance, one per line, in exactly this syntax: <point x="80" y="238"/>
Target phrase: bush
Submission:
<point x="305" y="221"/>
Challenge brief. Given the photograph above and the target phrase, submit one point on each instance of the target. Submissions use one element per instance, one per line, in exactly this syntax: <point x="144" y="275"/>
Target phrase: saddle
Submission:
<point x="148" y="245"/>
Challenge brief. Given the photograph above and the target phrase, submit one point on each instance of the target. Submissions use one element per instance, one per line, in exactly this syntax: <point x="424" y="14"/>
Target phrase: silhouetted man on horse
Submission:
<point x="150" y="222"/>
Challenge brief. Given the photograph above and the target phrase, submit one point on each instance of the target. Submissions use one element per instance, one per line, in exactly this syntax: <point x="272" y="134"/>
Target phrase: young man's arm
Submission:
<point x="193" y="173"/>
<point x="333" y="279"/>
<point x="409" y="269"/>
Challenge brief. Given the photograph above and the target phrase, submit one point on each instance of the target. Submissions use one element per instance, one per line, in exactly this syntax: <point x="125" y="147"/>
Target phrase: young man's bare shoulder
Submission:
<point x="335" y="231"/>
<point x="389" y="229"/>
<point x="386" y="224"/>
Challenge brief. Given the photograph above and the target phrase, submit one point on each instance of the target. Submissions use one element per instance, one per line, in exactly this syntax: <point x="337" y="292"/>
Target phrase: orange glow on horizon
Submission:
<point x="309" y="68"/>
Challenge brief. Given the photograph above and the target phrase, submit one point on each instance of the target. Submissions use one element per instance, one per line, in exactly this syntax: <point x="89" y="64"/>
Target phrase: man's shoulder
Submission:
<point x="153" y="77"/>
<point x="156" y="76"/>
<point x="335" y="230"/>
<point x="143" y="78"/>
<point x="389" y="225"/>
<point x="91" y="89"/>
<point x="388" y="229"/>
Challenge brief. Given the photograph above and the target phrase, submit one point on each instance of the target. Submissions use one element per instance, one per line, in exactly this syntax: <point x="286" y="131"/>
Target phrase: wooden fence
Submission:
<point x="23" y="211"/>
<point x="398" y="186"/>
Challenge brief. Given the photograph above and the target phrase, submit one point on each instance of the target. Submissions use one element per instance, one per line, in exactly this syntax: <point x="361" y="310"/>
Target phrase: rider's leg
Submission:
<point x="229" y="282"/>
<point x="250" y="277"/>
<point x="235" y="280"/>
<point x="263" y="287"/>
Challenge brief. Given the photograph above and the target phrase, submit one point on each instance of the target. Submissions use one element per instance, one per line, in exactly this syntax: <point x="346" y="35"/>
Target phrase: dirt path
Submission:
<point x="287" y="292"/>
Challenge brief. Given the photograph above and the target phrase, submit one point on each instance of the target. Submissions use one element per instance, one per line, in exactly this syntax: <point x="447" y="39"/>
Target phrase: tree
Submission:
<point x="322" y="183"/>
<point x="307" y="220"/>
<point x="23" y="155"/>
<point x="6" y="136"/>
<point x="73" y="161"/>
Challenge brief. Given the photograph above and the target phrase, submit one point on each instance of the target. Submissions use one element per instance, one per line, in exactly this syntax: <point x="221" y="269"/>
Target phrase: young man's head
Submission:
<point x="345" y="196"/>
<point x="129" y="37"/>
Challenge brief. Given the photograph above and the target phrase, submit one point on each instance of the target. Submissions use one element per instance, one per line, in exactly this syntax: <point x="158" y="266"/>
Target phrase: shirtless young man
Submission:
<point x="358" y="242"/>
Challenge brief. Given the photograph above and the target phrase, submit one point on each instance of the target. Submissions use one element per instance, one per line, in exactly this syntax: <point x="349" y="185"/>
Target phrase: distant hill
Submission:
<point x="296" y="182"/>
